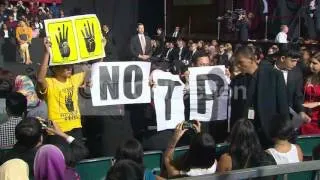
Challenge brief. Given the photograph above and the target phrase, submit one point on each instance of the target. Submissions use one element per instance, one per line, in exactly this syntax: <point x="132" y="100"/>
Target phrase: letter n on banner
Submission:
<point x="168" y="99"/>
<point x="208" y="93"/>
<point x="120" y="83"/>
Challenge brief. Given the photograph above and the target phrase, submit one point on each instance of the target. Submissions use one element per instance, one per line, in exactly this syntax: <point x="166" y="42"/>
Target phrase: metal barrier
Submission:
<point x="263" y="171"/>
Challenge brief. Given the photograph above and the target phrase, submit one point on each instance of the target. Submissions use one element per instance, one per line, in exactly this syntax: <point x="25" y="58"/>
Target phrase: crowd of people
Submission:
<point x="23" y="21"/>
<point x="281" y="83"/>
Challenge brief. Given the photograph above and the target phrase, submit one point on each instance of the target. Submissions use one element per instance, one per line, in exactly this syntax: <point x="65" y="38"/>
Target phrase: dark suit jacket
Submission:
<point x="271" y="97"/>
<point x="193" y="57"/>
<point x="223" y="60"/>
<point x="170" y="55"/>
<point x="135" y="47"/>
<point x="295" y="89"/>
<point x="184" y="53"/>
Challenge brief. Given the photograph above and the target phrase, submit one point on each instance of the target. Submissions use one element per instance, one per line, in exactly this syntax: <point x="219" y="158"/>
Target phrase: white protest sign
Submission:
<point x="168" y="99"/>
<point x="120" y="83"/>
<point x="208" y="93"/>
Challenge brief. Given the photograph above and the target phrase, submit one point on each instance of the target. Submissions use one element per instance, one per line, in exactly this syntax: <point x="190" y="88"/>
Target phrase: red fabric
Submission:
<point x="312" y="94"/>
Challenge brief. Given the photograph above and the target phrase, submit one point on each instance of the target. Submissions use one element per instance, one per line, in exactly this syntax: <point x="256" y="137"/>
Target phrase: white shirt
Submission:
<point x="175" y="34"/>
<point x="281" y="38"/>
<point x="142" y="42"/>
<point x="265" y="7"/>
<point x="312" y="5"/>
<point x="285" y="158"/>
<point x="6" y="33"/>
<point x="284" y="72"/>
<point x="200" y="172"/>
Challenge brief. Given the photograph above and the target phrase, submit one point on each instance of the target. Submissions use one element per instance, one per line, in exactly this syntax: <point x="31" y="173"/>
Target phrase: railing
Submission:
<point x="263" y="172"/>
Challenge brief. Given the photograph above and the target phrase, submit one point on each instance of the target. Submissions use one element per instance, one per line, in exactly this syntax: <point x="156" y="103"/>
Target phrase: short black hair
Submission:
<point x="126" y="170"/>
<point x="16" y="103"/>
<point x="139" y="24"/>
<point x="199" y="55"/>
<point x="290" y="52"/>
<point x="131" y="149"/>
<point x="28" y="132"/>
<point x="282" y="127"/>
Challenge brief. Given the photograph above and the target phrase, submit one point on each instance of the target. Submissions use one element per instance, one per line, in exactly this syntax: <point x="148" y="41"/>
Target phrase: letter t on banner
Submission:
<point x="208" y="93"/>
<point x="168" y="99"/>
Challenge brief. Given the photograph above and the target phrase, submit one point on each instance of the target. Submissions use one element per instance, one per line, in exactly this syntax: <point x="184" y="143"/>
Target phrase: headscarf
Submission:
<point x="14" y="169"/>
<point x="49" y="164"/>
<point x="24" y="85"/>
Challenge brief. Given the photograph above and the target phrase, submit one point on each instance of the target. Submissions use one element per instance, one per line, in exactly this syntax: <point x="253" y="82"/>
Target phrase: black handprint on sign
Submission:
<point x="88" y="35"/>
<point x="62" y="41"/>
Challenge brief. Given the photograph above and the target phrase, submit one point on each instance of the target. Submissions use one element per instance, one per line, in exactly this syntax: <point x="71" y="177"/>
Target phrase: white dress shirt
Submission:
<point x="284" y="72"/>
<point x="142" y="42"/>
<point x="175" y="34"/>
<point x="281" y="38"/>
<point x="265" y="7"/>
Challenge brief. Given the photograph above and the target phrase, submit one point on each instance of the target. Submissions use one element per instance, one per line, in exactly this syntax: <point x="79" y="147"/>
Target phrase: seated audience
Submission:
<point x="132" y="150"/>
<point x="125" y="170"/>
<point x="200" y="158"/>
<point x="29" y="133"/>
<point x="311" y="99"/>
<point x="29" y="138"/>
<point x="283" y="151"/>
<point x="245" y="150"/>
<point x="14" y="169"/>
<point x="16" y="106"/>
<point x="49" y="164"/>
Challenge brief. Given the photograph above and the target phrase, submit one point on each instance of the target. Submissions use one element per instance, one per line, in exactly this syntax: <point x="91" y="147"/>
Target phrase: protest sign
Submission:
<point x="209" y="93"/>
<point x="120" y="83"/>
<point x="74" y="39"/>
<point x="168" y="99"/>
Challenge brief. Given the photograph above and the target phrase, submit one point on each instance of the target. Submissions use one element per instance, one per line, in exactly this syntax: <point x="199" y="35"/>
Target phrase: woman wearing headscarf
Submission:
<point x="14" y="169"/>
<point x="49" y="164"/>
<point x="35" y="107"/>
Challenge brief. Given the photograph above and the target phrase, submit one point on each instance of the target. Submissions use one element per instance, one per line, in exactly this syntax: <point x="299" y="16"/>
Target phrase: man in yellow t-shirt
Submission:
<point x="61" y="94"/>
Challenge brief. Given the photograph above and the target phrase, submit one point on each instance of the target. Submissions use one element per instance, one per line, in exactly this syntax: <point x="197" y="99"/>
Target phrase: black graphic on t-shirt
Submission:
<point x="69" y="102"/>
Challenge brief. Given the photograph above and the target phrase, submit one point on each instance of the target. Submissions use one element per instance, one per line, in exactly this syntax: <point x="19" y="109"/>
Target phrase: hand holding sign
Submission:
<point x="62" y="41"/>
<point x="88" y="35"/>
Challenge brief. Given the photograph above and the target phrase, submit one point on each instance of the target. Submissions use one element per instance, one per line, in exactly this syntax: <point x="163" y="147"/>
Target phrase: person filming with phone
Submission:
<point x="200" y="158"/>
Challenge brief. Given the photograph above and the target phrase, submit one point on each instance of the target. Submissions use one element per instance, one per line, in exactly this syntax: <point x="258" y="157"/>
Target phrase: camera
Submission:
<point x="188" y="125"/>
<point x="45" y="123"/>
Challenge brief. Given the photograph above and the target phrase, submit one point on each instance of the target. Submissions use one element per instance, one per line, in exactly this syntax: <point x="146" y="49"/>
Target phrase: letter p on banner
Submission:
<point x="208" y="93"/>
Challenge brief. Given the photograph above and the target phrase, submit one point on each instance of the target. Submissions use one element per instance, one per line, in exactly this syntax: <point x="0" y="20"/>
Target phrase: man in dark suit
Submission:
<point x="264" y="94"/>
<point x="180" y="52"/>
<point x="193" y="53"/>
<point x="286" y="64"/>
<point x="223" y="57"/>
<point x="176" y="34"/>
<point x="168" y="53"/>
<point x="140" y="45"/>
<point x="180" y="57"/>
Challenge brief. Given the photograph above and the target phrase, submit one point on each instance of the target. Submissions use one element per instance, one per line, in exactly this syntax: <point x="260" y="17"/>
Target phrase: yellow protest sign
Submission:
<point x="75" y="39"/>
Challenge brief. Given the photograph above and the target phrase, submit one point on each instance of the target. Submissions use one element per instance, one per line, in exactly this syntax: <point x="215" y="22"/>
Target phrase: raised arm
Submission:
<point x="42" y="71"/>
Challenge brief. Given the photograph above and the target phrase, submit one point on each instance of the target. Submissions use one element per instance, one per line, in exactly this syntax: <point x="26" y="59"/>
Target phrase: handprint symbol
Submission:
<point x="88" y="35"/>
<point x="62" y="41"/>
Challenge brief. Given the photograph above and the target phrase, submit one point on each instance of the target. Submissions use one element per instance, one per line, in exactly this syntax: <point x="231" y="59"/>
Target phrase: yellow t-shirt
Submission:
<point x="62" y="100"/>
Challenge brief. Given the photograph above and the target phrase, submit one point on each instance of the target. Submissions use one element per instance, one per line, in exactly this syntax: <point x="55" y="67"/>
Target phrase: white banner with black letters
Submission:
<point x="208" y="93"/>
<point x="120" y="83"/>
<point x="168" y="99"/>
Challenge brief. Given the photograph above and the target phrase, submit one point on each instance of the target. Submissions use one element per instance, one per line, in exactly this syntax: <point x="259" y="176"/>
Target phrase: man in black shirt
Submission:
<point x="263" y="94"/>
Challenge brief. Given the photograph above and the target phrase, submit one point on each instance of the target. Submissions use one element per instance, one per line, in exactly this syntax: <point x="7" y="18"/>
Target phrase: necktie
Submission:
<point x="143" y="43"/>
<point x="180" y="52"/>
